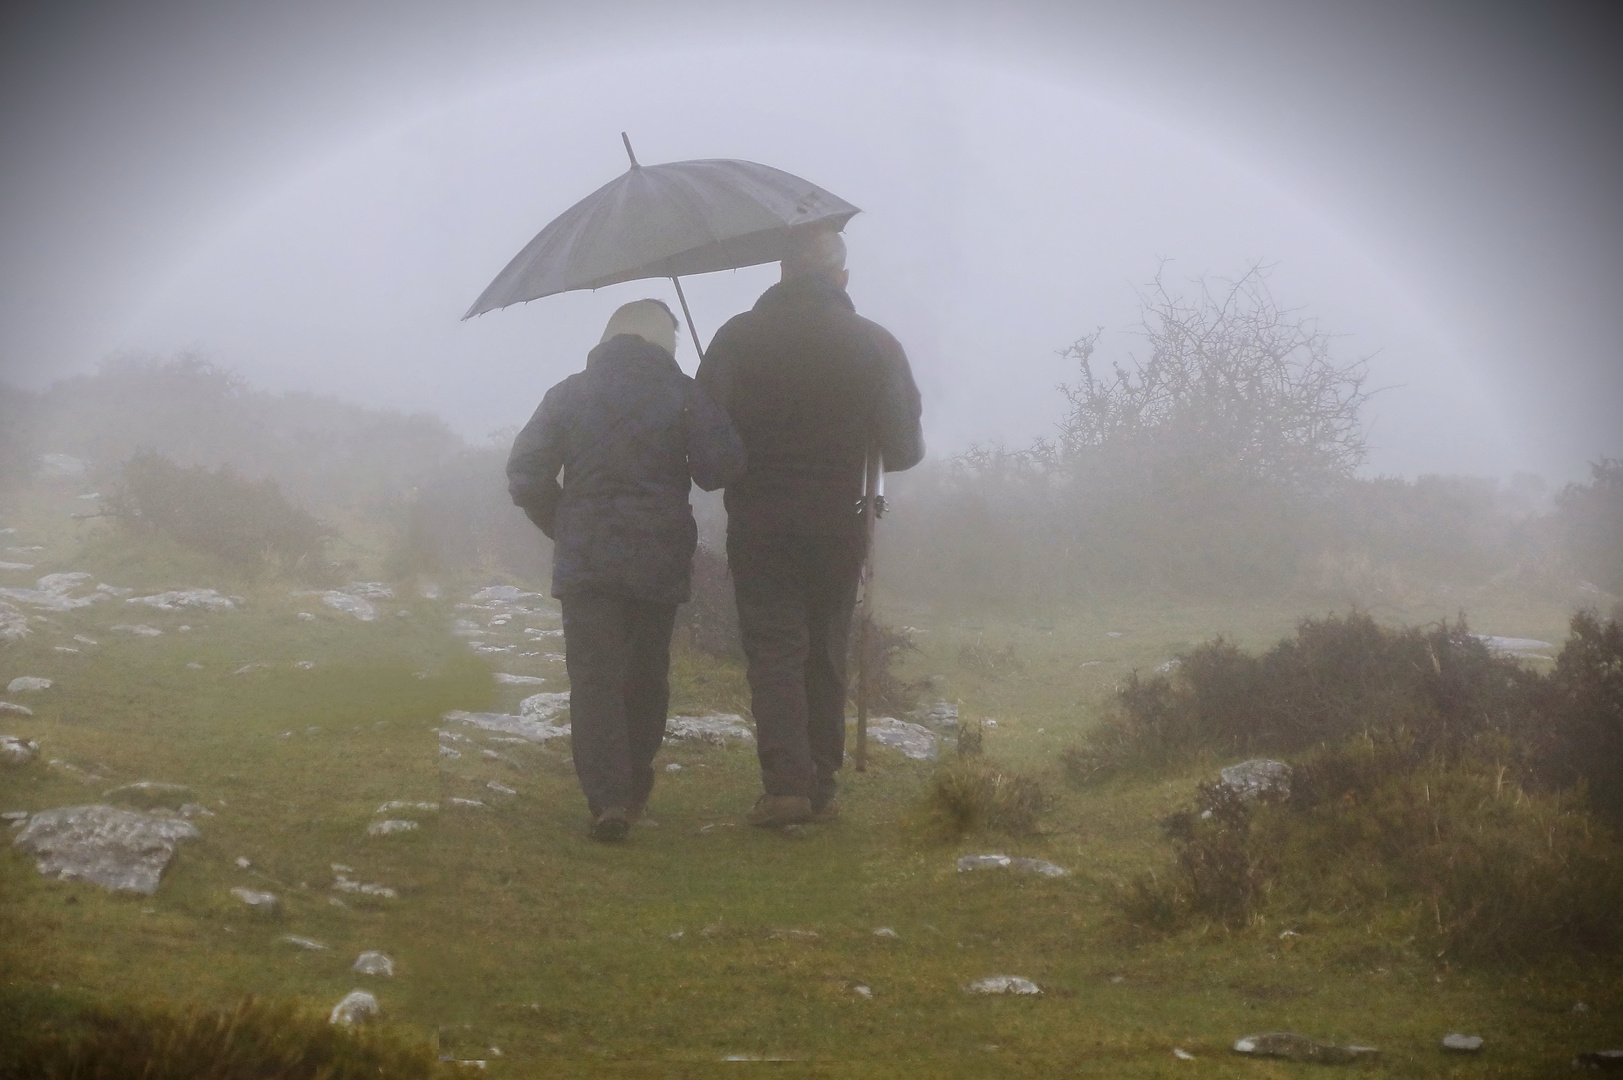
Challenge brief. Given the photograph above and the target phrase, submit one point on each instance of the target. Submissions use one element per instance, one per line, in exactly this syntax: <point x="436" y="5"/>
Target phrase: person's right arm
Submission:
<point x="538" y="454"/>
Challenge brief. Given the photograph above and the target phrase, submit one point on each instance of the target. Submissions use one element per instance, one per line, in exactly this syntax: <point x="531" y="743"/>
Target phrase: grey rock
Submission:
<point x="715" y="729"/>
<point x="13" y="623"/>
<point x="374" y="963"/>
<point x="307" y="616"/>
<point x="54" y="592"/>
<point x="1259" y="778"/>
<point x="1599" y="1061"/>
<point x="304" y="942"/>
<point x="505" y="679"/>
<point x="117" y="849"/>
<point x="1463" y="1044"/>
<point x="14" y="709"/>
<point x="344" y="884"/>
<point x="149" y="794"/>
<point x="502" y="594"/>
<point x="1294" y="1047"/>
<point x="1003" y="984"/>
<point x="358" y="1007"/>
<point x="350" y="605"/>
<point x="403" y="804"/>
<point x="886" y="932"/>
<point x="193" y="810"/>
<point x="139" y="630"/>
<point x="1037" y="866"/>
<point x="57" y="465"/>
<point x="266" y="903"/>
<point x="500" y="789"/>
<point x="16" y="566"/>
<point x="14" y="751"/>
<point x="186" y="600"/>
<point x="983" y="862"/>
<point x="26" y="683"/>
<point x="393" y="825"/>
<point x="369" y="590"/>
<point x="534" y="726"/>
<point x="941" y="714"/>
<point x="913" y="740"/>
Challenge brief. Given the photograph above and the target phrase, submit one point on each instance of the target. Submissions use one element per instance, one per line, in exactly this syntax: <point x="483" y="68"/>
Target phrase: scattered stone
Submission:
<point x="14" y="751"/>
<point x="54" y="592"/>
<point x="1259" y="778"/>
<point x="369" y="590"/>
<point x="807" y="936"/>
<point x="1003" y="984"/>
<point x="1294" y="1047"/>
<point x="16" y="566"/>
<point x="518" y="680"/>
<point x="358" y="1007"/>
<point x="865" y="991"/>
<point x="1113" y="633"/>
<point x="193" y="665"/>
<point x="13" y="623"/>
<point x="1169" y="666"/>
<point x="139" y="630"/>
<point x="464" y="628"/>
<point x="500" y="789"/>
<point x="149" y="795"/>
<point x="913" y="740"/>
<point x="401" y="804"/>
<point x="982" y="862"/>
<point x="81" y="639"/>
<point x="266" y="903"/>
<point x="374" y="963"/>
<point x="1037" y="866"/>
<point x="393" y="825"/>
<point x="243" y="863"/>
<point x="941" y="714"/>
<point x="253" y="665"/>
<point x="503" y="594"/>
<point x="307" y="616"/>
<point x="344" y="884"/>
<point x="455" y="801"/>
<point x="1515" y="646"/>
<point x="886" y="932"/>
<point x="1181" y="1054"/>
<point x="195" y="810"/>
<point x="117" y="849"/>
<point x="402" y="614"/>
<point x="304" y="942"/>
<point x="350" y="605"/>
<point x="1463" y="1044"/>
<point x="714" y="729"/>
<point x="673" y="767"/>
<point x="66" y="649"/>
<point x="1599" y="1061"/>
<point x="25" y="683"/>
<point x="186" y="600"/>
<point x="1580" y="1007"/>
<point x="304" y="665"/>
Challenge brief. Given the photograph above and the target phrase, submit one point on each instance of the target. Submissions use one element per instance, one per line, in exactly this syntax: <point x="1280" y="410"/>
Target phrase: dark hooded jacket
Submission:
<point x="629" y="433"/>
<point x="810" y="384"/>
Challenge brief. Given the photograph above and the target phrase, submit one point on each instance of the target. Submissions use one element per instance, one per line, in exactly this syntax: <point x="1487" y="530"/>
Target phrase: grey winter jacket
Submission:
<point x="629" y="433"/>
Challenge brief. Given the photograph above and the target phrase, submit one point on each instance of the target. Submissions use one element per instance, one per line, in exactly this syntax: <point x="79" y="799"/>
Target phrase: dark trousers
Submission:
<point x="618" y="652"/>
<point x="795" y="597"/>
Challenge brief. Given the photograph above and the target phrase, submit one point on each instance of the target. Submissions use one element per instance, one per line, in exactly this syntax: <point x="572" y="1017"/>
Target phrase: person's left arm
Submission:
<point x="538" y="455"/>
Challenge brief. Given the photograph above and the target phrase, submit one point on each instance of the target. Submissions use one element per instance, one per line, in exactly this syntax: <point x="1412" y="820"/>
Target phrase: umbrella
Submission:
<point x="685" y="217"/>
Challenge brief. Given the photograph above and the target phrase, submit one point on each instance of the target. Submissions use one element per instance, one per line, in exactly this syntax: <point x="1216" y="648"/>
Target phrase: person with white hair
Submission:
<point x="813" y="389"/>
<point x="630" y="434"/>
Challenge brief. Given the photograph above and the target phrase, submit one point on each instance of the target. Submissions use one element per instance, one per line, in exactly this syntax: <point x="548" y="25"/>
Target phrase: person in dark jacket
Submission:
<point x="812" y="388"/>
<point x="629" y="433"/>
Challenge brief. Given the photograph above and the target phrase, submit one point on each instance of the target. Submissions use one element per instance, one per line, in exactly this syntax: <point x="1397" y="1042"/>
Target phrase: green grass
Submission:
<point x="513" y="931"/>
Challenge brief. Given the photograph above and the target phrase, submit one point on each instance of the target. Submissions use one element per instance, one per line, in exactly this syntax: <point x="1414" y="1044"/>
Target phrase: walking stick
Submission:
<point x="873" y="505"/>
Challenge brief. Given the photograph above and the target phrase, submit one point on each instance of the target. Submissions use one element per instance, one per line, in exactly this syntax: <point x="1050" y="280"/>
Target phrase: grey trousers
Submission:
<point x="618" y="652"/>
<point x="795" y="598"/>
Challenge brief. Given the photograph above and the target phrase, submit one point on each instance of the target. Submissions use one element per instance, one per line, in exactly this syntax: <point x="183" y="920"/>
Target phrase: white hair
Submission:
<point x="821" y="251"/>
<point x="650" y="320"/>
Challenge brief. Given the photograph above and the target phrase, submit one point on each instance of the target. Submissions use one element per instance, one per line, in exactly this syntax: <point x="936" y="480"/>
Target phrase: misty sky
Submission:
<point x="313" y="193"/>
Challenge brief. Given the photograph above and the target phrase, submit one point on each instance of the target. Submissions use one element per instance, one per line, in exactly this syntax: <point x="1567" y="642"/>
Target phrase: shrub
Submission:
<point x="257" y="1040"/>
<point x="888" y="692"/>
<point x="246" y="523"/>
<point x="1590" y="518"/>
<point x="1435" y="690"/>
<point x="1576" y="731"/>
<point x="1476" y="866"/>
<point x="973" y="793"/>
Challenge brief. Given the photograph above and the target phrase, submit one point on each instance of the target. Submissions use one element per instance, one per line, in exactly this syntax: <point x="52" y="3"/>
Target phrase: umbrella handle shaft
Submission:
<point x="680" y="295"/>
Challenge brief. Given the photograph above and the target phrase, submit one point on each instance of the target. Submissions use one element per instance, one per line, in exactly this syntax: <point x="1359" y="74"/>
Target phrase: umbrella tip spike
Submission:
<point x="629" y="153"/>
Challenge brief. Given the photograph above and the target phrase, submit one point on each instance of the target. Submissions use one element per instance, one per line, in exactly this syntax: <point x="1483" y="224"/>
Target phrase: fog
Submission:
<point x="312" y="195"/>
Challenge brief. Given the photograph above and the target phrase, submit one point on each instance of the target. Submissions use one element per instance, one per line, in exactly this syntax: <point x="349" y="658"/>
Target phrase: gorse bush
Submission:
<point x="257" y="1040"/>
<point x="249" y="524"/>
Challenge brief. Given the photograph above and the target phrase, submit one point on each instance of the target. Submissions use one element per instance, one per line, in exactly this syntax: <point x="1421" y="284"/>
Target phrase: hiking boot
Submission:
<point x="828" y="813"/>
<point x="611" y="825"/>
<point x="776" y="811"/>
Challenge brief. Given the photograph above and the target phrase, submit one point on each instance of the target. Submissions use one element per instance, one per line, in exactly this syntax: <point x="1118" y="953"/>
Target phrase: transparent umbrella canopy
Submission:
<point x="667" y="221"/>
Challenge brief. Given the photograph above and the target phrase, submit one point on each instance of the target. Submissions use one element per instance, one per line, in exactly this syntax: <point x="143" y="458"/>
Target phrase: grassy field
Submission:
<point x="519" y="942"/>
